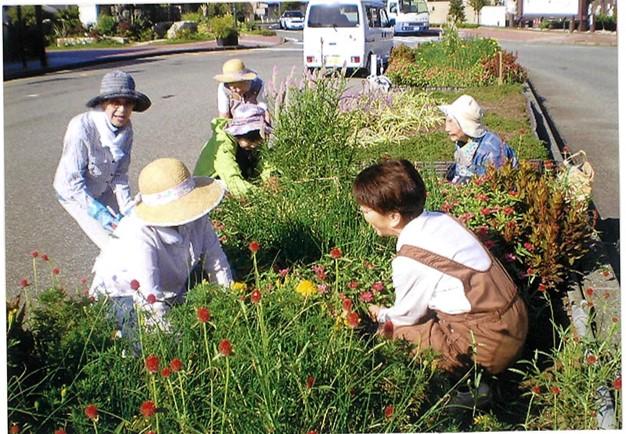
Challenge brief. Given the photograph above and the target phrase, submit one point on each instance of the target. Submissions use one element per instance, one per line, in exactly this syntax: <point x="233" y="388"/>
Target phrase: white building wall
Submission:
<point x="493" y="16"/>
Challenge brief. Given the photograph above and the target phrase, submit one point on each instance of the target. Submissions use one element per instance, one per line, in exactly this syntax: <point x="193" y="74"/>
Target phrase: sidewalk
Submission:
<point x="599" y="38"/>
<point x="66" y="59"/>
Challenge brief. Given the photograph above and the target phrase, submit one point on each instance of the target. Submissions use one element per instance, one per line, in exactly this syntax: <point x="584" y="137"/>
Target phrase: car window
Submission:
<point x="384" y="20"/>
<point x="293" y="14"/>
<point x="373" y="18"/>
<point x="334" y="15"/>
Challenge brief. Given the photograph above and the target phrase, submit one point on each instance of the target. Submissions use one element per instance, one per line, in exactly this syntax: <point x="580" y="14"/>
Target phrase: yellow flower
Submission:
<point x="238" y="286"/>
<point x="306" y="288"/>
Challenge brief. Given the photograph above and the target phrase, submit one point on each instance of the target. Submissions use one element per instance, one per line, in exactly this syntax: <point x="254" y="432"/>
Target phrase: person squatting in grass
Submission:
<point x="476" y="147"/>
<point x="91" y="180"/>
<point x="233" y="153"/>
<point x="238" y="85"/>
<point x="161" y="246"/>
<point x="451" y="294"/>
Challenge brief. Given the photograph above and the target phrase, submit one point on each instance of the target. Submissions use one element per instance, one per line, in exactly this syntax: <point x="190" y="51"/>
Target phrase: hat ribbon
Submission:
<point x="169" y="195"/>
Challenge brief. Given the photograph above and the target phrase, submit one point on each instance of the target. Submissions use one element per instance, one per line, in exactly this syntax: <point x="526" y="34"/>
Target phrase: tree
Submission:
<point x="477" y="5"/>
<point x="457" y="11"/>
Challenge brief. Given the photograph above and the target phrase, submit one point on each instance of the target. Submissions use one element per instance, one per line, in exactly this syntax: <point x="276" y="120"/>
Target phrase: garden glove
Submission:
<point x="99" y="212"/>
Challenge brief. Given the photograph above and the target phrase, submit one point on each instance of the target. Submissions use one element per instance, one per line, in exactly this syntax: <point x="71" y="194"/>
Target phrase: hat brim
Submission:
<point x="206" y="195"/>
<point x="232" y="78"/>
<point x="469" y="127"/>
<point x="142" y="102"/>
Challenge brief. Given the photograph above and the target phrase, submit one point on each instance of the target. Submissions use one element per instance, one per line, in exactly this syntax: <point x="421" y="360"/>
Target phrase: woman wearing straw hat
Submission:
<point x="160" y="243"/>
<point x="238" y="84"/>
<point x="91" y="180"/>
<point x="476" y="147"/>
<point x="233" y="151"/>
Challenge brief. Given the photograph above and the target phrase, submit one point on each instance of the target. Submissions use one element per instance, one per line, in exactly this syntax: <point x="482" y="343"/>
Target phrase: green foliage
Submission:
<point x="456" y="11"/>
<point x="477" y="5"/>
<point x="106" y="25"/>
<point x="223" y="27"/>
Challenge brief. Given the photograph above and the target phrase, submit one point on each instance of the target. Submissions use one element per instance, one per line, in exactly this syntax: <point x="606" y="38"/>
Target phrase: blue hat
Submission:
<point x="120" y="84"/>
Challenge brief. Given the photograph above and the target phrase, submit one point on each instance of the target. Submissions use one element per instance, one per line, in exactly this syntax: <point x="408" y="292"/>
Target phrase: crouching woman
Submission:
<point x="451" y="294"/>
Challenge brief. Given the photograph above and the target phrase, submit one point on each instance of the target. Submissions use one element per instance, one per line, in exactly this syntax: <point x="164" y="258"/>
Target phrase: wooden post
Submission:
<point x="500" y="68"/>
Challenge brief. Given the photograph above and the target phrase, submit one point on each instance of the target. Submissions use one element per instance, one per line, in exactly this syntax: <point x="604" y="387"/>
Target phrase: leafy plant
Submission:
<point x="106" y="25"/>
<point x="456" y="11"/>
<point x="223" y="27"/>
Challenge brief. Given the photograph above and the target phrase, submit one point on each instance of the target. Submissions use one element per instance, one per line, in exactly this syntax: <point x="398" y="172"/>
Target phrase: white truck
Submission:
<point x="340" y="33"/>
<point x="410" y="16"/>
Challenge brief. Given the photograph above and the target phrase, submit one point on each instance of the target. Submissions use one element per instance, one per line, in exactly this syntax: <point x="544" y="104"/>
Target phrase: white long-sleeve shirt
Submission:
<point x="159" y="259"/>
<point x="96" y="156"/>
<point x="419" y="287"/>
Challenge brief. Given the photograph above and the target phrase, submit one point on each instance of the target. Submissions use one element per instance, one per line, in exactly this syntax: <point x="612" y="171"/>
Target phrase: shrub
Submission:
<point x="106" y="25"/>
<point x="223" y="27"/>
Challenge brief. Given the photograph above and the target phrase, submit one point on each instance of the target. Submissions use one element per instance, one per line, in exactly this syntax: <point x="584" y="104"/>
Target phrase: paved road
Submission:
<point x="37" y="111"/>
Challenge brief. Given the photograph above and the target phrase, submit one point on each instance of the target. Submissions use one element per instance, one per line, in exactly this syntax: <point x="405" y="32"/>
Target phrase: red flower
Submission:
<point x="225" y="347"/>
<point x="134" y="284"/>
<point x="152" y="364"/>
<point x="541" y="288"/>
<point x="336" y="253"/>
<point x="312" y="432"/>
<point x="203" y="314"/>
<point x="91" y="411"/>
<point x="34" y="253"/>
<point x="44" y="257"/>
<point x="346" y="304"/>
<point x="528" y="246"/>
<point x="482" y="197"/>
<point x="510" y="257"/>
<point x="15" y="428"/>
<point x="589" y="292"/>
<point x="176" y="364"/>
<point x="56" y="271"/>
<point x="485" y="211"/>
<point x="254" y="246"/>
<point x="151" y="298"/>
<point x="366" y="296"/>
<point x="24" y="282"/>
<point x="310" y="381"/>
<point x="388" y="328"/>
<point x="60" y="431"/>
<point x="530" y="271"/>
<point x="353" y="284"/>
<point x="536" y="390"/>
<point x="389" y="411"/>
<point x="255" y="297"/>
<point x="490" y="244"/>
<point x="165" y="372"/>
<point x="617" y="383"/>
<point x="353" y="319"/>
<point x="591" y="359"/>
<point x="508" y="210"/>
<point x="555" y="390"/>
<point x="378" y="286"/>
<point x="147" y="409"/>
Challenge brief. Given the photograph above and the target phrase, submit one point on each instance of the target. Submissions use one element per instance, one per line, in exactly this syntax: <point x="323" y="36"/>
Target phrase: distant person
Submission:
<point x="238" y="85"/>
<point x="476" y="147"/>
<point x="91" y="180"/>
<point x="161" y="244"/>
<point x="233" y="153"/>
<point x="451" y="294"/>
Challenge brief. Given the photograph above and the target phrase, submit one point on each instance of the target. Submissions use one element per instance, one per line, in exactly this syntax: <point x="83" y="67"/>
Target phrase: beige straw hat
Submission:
<point x="170" y="196"/>
<point x="466" y="111"/>
<point x="234" y="70"/>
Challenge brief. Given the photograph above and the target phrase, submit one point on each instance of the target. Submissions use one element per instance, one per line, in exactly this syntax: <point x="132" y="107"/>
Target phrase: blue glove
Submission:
<point x="99" y="212"/>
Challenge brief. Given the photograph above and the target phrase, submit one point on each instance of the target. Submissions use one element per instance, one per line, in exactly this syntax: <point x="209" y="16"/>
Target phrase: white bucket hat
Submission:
<point x="466" y="111"/>
<point x="170" y="196"/>
<point x="234" y="70"/>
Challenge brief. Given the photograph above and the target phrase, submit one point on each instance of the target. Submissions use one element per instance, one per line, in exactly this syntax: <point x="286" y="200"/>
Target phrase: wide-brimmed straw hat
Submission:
<point x="249" y="117"/>
<point x="466" y="111"/>
<point x="234" y="70"/>
<point x="170" y="196"/>
<point x="120" y="84"/>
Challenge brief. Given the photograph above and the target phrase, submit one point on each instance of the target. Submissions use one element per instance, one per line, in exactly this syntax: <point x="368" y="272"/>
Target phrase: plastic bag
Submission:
<point x="577" y="176"/>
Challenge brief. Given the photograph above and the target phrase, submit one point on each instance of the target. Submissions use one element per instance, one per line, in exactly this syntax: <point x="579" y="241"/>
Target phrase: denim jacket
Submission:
<point x="489" y="150"/>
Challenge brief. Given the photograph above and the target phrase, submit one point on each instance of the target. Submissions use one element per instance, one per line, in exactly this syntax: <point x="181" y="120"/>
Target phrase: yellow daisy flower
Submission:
<point x="306" y="288"/>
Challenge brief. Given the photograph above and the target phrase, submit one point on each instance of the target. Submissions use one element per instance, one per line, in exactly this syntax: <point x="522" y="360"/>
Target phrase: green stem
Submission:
<point x="182" y="395"/>
<point x="225" y="394"/>
<point x="95" y="426"/>
<point x="155" y="398"/>
<point x="336" y="276"/>
<point x="256" y="270"/>
<point x="171" y="386"/>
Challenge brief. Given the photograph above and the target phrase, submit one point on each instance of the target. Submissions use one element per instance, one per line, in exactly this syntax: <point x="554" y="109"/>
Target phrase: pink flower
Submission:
<point x="510" y="257"/>
<point x="34" y="253"/>
<point x="134" y="284"/>
<point x="322" y="289"/>
<point x="255" y="297"/>
<point x="283" y="273"/>
<point x="56" y="271"/>
<point x="91" y="411"/>
<point x="378" y="286"/>
<point x="152" y="364"/>
<point x="320" y="271"/>
<point x="151" y="298"/>
<point x="148" y="409"/>
<point x="176" y="364"/>
<point x="24" y="282"/>
<point x="353" y="320"/>
<point x="336" y="253"/>
<point x="254" y="246"/>
<point x="528" y="246"/>
<point x="45" y="257"/>
<point x="203" y="314"/>
<point x="353" y="284"/>
<point x="366" y="296"/>
<point x="225" y="347"/>
<point x="388" y="411"/>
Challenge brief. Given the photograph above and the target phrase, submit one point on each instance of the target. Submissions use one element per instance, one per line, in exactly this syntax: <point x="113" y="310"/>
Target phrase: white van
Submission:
<point x="346" y="32"/>
<point x="411" y="16"/>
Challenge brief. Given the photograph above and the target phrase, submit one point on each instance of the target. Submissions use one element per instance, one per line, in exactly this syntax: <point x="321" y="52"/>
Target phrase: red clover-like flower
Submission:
<point x="346" y="304"/>
<point x="255" y="297"/>
<point x="254" y="246"/>
<point x="56" y="271"/>
<point x="225" y="347"/>
<point x="378" y="286"/>
<point x="176" y="364"/>
<point x="589" y="291"/>
<point x="366" y="296"/>
<point x="555" y="390"/>
<point x="617" y="383"/>
<point x="389" y="411"/>
<point x="166" y="372"/>
<point x="151" y="298"/>
<point x="24" y="282"/>
<point x="353" y="284"/>
<point x="134" y="284"/>
<point x="91" y="411"/>
<point x="34" y="253"/>
<point x="336" y="253"/>
<point x="60" y="431"/>
<point x="45" y="257"/>
<point x="152" y="364"/>
<point x="591" y="359"/>
<point x="15" y="428"/>
<point x="536" y="390"/>
<point x="148" y="409"/>
<point x="203" y="314"/>
<point x="353" y="320"/>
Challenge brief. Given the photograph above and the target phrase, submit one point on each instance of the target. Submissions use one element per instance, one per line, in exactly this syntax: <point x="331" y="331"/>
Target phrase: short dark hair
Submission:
<point x="252" y="136"/>
<point x="391" y="186"/>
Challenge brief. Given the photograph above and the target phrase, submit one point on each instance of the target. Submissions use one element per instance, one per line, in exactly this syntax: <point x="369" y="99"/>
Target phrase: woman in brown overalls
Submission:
<point x="451" y="294"/>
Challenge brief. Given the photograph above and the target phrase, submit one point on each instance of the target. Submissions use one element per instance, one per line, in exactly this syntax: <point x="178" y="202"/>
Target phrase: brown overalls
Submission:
<point x="494" y="329"/>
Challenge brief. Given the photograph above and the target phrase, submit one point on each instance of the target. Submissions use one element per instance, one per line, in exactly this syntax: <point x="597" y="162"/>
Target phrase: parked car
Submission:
<point x="292" y="20"/>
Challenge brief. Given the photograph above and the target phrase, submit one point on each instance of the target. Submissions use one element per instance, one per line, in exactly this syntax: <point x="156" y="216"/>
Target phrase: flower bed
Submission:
<point x="290" y="348"/>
